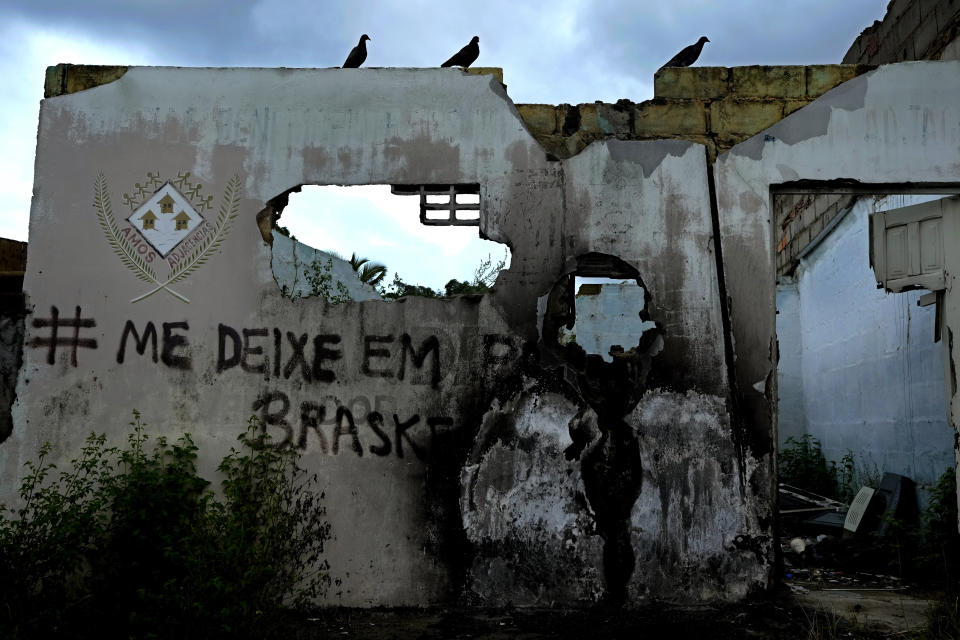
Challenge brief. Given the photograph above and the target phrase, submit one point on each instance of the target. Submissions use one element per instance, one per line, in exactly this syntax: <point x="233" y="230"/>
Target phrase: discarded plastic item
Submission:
<point x="897" y="499"/>
<point x="797" y="545"/>
<point x="858" y="508"/>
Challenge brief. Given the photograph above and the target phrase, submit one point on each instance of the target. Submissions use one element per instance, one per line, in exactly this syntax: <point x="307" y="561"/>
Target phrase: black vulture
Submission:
<point x="358" y="54"/>
<point x="688" y="55"/>
<point x="465" y="57"/>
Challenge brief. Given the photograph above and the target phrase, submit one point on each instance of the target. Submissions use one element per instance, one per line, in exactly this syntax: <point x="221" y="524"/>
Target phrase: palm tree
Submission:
<point x="371" y="273"/>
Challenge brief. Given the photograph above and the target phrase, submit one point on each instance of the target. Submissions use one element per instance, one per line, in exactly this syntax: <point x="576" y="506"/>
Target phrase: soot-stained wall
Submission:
<point x="466" y="451"/>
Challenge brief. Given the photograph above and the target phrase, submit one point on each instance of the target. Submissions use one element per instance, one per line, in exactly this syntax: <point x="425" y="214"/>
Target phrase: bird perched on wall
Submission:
<point x="465" y="57"/>
<point x="688" y="55"/>
<point x="358" y="54"/>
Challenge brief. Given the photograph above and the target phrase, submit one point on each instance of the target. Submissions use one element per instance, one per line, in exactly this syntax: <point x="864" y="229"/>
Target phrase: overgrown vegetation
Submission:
<point x="133" y="543"/>
<point x="801" y="463"/>
<point x="483" y="278"/>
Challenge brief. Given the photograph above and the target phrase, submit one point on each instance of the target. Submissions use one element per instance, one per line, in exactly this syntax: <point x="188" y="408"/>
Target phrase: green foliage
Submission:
<point x="926" y="551"/>
<point x="400" y="289"/>
<point x="283" y="231"/>
<point x="44" y="546"/>
<point x="939" y="541"/>
<point x="483" y="278"/>
<point x="319" y="276"/>
<point x="943" y="620"/>
<point x="134" y="544"/>
<point x="801" y="464"/>
<point x="371" y="273"/>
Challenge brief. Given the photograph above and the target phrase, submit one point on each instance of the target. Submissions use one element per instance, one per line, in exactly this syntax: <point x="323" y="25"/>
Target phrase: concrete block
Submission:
<point x="539" y="118"/>
<point x="694" y="83"/>
<point x="589" y="118"/>
<point x="737" y="116"/>
<point x="823" y="77"/>
<point x="673" y="118"/>
<point x="763" y="81"/>
<point x="790" y="106"/>
<point x="64" y="79"/>
<point x="496" y="72"/>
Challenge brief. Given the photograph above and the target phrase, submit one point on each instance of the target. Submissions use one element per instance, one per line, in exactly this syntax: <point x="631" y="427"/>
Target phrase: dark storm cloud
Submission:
<point x="564" y="51"/>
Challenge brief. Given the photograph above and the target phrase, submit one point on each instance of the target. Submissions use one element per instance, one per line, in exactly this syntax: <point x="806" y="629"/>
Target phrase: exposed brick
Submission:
<point x="691" y="82"/>
<point x="789" y="106"/>
<point x="816" y="227"/>
<point x="539" y="118"/>
<point x="589" y="120"/>
<point x="496" y="72"/>
<point x="737" y="116"/>
<point x="676" y="118"/>
<point x="64" y="79"/>
<point x="763" y="81"/>
<point x="614" y="118"/>
<point x="823" y="77"/>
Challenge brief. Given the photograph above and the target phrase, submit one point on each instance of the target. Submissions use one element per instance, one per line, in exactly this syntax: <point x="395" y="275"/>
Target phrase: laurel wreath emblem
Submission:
<point x="229" y="209"/>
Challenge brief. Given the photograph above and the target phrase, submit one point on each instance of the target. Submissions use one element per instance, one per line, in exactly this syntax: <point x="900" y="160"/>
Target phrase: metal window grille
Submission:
<point x="446" y="199"/>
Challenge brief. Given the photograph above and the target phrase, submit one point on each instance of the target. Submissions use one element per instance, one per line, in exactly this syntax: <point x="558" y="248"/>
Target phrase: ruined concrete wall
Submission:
<point x="713" y="106"/>
<point x="910" y="30"/>
<point x="465" y="452"/>
<point x="895" y="126"/>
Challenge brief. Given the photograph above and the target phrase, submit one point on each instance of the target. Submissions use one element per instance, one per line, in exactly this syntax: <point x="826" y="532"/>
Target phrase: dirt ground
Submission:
<point x="809" y="614"/>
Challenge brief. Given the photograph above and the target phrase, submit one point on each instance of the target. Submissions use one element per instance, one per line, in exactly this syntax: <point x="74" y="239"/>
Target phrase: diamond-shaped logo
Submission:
<point x="165" y="219"/>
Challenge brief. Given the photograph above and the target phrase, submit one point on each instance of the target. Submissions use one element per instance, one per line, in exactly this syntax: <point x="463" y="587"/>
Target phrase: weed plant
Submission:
<point x="133" y="543"/>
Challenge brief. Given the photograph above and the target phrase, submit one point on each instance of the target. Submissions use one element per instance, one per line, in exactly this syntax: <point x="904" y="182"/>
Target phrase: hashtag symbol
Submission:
<point x="54" y="323"/>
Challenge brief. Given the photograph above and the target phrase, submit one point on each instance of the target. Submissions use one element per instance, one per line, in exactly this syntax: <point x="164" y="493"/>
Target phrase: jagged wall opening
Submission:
<point x="371" y="242"/>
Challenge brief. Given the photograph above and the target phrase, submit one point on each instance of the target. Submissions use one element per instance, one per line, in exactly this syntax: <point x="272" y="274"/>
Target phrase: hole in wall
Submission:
<point x="605" y="341"/>
<point x="373" y="243"/>
<point x="608" y="316"/>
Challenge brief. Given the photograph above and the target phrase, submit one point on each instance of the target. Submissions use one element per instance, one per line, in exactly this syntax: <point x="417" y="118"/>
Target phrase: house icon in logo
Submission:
<point x="166" y="231"/>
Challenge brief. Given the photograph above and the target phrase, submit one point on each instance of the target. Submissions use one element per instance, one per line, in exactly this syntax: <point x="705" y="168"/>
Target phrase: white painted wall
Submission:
<point x="872" y="377"/>
<point x="791" y="418"/>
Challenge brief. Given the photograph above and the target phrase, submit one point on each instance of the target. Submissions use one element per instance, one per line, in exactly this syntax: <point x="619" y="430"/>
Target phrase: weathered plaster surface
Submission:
<point x="403" y="408"/>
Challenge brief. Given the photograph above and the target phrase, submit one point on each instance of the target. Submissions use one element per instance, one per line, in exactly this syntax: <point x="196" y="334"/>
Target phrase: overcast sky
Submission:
<point x="569" y="51"/>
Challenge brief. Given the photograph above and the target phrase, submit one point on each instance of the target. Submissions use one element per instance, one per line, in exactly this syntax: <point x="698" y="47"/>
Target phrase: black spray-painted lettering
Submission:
<point x="430" y="345"/>
<point x="311" y="417"/>
<point x="276" y="418"/>
<point x="369" y="353"/>
<point x="173" y="341"/>
<point x="297" y="357"/>
<point x="224" y="362"/>
<point x="401" y="435"/>
<point x="321" y="353"/>
<point x="348" y="429"/>
<point x="254" y="367"/>
<point x="375" y="420"/>
<point x="274" y="406"/>
<point x="54" y="323"/>
<point x="149" y="333"/>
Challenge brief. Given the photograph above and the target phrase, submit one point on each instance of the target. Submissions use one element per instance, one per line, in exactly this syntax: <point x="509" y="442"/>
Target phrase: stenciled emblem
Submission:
<point x="166" y="237"/>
